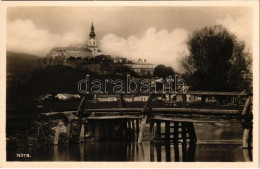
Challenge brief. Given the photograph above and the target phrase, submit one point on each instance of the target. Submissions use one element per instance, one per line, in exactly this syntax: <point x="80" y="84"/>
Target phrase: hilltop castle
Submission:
<point x="78" y="50"/>
<point x="84" y="56"/>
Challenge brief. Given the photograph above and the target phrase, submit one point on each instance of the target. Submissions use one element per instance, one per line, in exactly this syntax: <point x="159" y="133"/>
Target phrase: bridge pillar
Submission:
<point x="82" y="133"/>
<point x="137" y="128"/>
<point x="176" y="132"/>
<point x="152" y="132"/>
<point x="158" y="130"/>
<point x="167" y="131"/>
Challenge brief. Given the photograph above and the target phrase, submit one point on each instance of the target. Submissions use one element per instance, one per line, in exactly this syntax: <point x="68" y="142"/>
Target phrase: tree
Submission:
<point x="125" y="70"/>
<point x="163" y="71"/>
<point x="103" y="59"/>
<point x="217" y="61"/>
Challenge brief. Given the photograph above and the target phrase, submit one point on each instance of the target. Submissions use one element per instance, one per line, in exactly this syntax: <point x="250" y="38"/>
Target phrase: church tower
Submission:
<point x="92" y="43"/>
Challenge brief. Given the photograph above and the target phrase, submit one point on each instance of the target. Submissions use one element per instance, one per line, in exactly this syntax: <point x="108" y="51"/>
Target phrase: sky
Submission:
<point x="157" y="34"/>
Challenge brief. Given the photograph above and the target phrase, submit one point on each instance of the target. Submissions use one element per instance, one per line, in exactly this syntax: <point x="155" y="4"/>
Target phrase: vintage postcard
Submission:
<point x="129" y="84"/>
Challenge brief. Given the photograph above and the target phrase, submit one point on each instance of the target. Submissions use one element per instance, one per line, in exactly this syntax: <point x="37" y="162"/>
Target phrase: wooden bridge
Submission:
<point x="178" y="122"/>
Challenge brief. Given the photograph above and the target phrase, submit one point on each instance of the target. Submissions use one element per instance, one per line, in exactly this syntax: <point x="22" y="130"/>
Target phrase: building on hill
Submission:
<point x="142" y="67"/>
<point x="82" y="51"/>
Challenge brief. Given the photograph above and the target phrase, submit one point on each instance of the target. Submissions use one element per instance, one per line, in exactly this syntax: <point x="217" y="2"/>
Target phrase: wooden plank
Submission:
<point x="113" y="117"/>
<point x="161" y="118"/>
<point x="169" y="110"/>
<point x="114" y="110"/>
<point x="158" y="110"/>
<point x="198" y="111"/>
<point x="157" y="117"/>
<point x="54" y="113"/>
<point x="212" y="93"/>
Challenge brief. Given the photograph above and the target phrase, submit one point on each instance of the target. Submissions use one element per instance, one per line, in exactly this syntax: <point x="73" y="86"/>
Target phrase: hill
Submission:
<point x="21" y="62"/>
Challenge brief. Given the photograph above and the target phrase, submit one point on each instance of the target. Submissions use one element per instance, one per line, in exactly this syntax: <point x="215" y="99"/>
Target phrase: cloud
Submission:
<point x="240" y="26"/>
<point x="158" y="47"/>
<point x="23" y="36"/>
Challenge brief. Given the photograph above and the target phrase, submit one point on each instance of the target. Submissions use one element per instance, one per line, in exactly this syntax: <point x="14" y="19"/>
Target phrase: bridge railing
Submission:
<point x="148" y="112"/>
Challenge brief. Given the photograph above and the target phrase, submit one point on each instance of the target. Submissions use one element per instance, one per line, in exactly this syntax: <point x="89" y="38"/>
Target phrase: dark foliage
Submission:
<point x="163" y="71"/>
<point x="217" y="61"/>
<point x="124" y="70"/>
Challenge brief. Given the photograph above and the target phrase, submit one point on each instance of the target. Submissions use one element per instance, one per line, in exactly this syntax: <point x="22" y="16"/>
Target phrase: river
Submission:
<point x="115" y="151"/>
<point x="216" y="142"/>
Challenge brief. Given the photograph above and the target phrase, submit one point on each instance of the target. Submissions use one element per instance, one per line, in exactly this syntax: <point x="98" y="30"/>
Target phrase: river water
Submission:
<point x="216" y="142"/>
<point x="123" y="151"/>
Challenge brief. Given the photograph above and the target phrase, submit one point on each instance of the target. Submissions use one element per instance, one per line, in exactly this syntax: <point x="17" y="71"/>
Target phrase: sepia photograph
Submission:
<point x="130" y="82"/>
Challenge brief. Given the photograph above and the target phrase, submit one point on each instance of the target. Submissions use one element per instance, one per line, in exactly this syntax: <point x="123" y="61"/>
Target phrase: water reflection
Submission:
<point x="172" y="152"/>
<point x="115" y="151"/>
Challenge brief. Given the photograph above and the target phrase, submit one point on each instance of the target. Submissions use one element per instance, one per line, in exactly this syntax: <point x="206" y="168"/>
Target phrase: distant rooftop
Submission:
<point x="70" y="48"/>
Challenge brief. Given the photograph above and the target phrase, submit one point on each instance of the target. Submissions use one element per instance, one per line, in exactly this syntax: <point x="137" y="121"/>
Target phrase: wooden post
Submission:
<point x="184" y="98"/>
<point x="142" y="127"/>
<point x="121" y="101"/>
<point x="97" y="131"/>
<point x="152" y="152"/>
<point x="53" y="94"/>
<point x="183" y="131"/>
<point x="245" y="138"/>
<point x="191" y="131"/>
<point x="238" y="100"/>
<point x="246" y="123"/>
<point x="184" y="151"/>
<point x="57" y="135"/>
<point x="159" y="152"/>
<point x="69" y="130"/>
<point x="191" y="152"/>
<point x="81" y="105"/>
<point x="168" y="152"/>
<point x="79" y="112"/>
<point x="56" y="153"/>
<point x="137" y="128"/>
<point x="133" y="128"/>
<point x="167" y="131"/>
<point x="158" y="131"/>
<point x="176" y="152"/>
<point x="144" y="119"/>
<point x="129" y="128"/>
<point x="82" y="132"/>
<point x="246" y="155"/>
<point x="81" y="151"/>
<point x="152" y="132"/>
<point x="176" y="132"/>
<point x="107" y="134"/>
